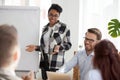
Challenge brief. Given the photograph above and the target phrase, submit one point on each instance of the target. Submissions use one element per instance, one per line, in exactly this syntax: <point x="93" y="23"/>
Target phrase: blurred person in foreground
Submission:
<point x="106" y="62"/>
<point x="10" y="54"/>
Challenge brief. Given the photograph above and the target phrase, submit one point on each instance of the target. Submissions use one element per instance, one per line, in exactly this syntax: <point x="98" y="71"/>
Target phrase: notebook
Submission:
<point x="57" y="76"/>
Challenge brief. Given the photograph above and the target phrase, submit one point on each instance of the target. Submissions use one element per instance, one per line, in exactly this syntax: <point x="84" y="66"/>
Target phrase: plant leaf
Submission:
<point x="114" y="28"/>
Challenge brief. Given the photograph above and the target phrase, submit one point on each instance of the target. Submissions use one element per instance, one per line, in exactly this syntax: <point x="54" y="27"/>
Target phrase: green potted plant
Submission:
<point x="114" y="28"/>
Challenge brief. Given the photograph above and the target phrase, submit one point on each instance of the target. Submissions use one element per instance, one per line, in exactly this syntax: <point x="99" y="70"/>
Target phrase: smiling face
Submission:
<point x="90" y="41"/>
<point x="53" y="16"/>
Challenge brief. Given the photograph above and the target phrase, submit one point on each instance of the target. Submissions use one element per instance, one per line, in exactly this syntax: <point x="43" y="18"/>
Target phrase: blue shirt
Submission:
<point x="94" y="75"/>
<point x="81" y="59"/>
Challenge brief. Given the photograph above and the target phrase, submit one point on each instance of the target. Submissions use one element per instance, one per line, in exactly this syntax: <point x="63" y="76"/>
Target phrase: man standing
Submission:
<point x="84" y="57"/>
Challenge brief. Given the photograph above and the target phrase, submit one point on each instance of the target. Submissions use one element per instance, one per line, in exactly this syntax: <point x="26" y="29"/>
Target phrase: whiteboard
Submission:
<point x="26" y="20"/>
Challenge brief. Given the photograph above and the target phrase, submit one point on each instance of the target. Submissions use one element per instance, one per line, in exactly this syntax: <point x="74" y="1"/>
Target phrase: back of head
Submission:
<point x="105" y="48"/>
<point x="8" y="41"/>
<point x="107" y="60"/>
<point x="95" y="31"/>
<point x="55" y="7"/>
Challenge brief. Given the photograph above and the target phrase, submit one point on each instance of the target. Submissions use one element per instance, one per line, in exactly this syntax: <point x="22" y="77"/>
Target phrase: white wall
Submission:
<point x="70" y="16"/>
<point x="97" y="13"/>
<point x="1" y="2"/>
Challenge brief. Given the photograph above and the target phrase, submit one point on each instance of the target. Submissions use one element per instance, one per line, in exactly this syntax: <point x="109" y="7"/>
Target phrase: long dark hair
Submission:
<point x="107" y="60"/>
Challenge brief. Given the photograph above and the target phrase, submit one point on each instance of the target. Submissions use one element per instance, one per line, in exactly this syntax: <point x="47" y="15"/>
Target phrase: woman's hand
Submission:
<point x="56" y="49"/>
<point x="31" y="48"/>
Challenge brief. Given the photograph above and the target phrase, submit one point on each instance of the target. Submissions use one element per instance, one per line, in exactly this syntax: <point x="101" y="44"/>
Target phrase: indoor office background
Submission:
<point x="79" y="15"/>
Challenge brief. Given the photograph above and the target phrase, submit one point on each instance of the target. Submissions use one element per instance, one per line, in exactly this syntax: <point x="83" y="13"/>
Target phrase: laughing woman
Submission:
<point x="55" y="40"/>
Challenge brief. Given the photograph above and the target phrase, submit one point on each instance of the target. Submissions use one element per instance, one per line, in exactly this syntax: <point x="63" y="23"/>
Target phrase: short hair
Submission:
<point x="95" y="31"/>
<point x="8" y="41"/>
<point x="57" y="7"/>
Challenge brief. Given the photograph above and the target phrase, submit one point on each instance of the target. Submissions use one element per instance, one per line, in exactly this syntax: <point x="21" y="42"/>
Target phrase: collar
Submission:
<point x="7" y="71"/>
<point x="92" y="53"/>
<point x="55" y="26"/>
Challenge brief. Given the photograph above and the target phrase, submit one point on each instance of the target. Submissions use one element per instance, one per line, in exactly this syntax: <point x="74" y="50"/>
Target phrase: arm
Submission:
<point x="37" y="48"/>
<point x="31" y="48"/>
<point x="69" y="65"/>
<point x="66" y="43"/>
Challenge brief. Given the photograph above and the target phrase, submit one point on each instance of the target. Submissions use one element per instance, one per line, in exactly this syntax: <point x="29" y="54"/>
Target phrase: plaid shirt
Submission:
<point x="59" y="36"/>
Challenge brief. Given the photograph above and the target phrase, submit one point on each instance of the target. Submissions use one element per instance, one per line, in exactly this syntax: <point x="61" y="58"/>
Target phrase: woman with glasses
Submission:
<point x="55" y="40"/>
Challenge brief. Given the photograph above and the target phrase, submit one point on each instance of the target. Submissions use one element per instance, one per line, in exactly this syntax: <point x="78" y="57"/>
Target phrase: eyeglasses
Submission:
<point x="51" y="15"/>
<point x="90" y="40"/>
